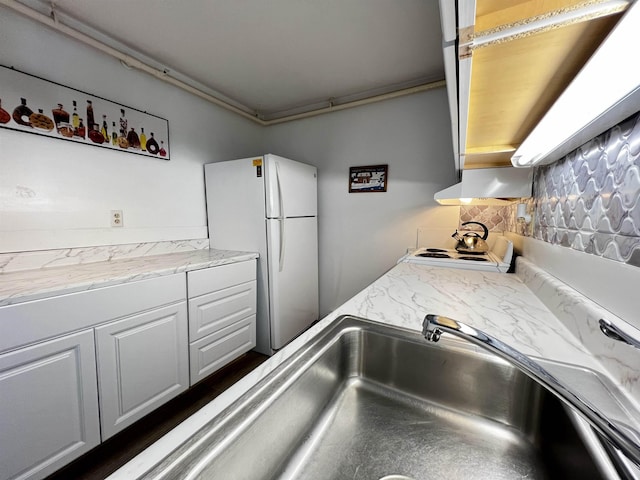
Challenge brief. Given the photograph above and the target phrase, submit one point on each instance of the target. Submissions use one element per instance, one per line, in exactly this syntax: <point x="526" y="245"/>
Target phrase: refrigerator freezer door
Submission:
<point x="293" y="277"/>
<point x="235" y="205"/>
<point x="291" y="188"/>
<point x="236" y="214"/>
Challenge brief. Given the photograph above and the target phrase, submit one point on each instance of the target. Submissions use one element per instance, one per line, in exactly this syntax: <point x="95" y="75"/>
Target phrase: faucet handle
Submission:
<point x="612" y="331"/>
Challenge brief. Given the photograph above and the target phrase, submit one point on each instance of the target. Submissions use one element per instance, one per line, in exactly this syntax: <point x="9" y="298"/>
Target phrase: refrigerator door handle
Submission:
<point x="280" y="200"/>
<point x="282" y="237"/>
<point x="281" y="216"/>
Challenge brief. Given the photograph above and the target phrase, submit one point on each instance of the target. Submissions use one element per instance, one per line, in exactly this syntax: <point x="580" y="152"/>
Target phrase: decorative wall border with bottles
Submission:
<point x="34" y="105"/>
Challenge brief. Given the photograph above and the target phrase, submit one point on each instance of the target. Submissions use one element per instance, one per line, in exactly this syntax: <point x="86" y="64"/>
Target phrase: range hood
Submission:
<point x="488" y="186"/>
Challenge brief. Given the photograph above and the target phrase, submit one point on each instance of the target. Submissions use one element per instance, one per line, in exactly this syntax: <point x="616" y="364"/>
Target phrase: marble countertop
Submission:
<point x="500" y="304"/>
<point x="27" y="285"/>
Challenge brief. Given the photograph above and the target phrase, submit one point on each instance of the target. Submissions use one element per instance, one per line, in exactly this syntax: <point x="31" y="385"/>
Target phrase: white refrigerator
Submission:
<point x="269" y="205"/>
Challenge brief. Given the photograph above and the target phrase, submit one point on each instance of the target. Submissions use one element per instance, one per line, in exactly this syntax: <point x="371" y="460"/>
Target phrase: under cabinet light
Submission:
<point x="603" y="93"/>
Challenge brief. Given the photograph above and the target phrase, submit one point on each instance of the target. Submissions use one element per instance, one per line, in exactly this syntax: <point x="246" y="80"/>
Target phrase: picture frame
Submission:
<point x="38" y="106"/>
<point x="368" y="178"/>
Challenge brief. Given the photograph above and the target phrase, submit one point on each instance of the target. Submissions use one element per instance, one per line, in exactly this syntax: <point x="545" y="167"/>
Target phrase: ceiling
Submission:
<point x="272" y="57"/>
<point x="272" y="60"/>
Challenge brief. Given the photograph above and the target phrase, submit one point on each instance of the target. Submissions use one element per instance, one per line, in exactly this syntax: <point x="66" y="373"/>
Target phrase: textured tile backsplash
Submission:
<point x="494" y="218"/>
<point x="590" y="200"/>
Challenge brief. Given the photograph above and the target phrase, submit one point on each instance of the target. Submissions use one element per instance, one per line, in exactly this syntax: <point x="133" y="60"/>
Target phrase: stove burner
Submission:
<point x="435" y="250"/>
<point x="474" y="259"/>
<point x="433" y="255"/>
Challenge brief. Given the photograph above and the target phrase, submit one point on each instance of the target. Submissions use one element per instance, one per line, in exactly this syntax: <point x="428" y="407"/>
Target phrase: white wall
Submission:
<point x="54" y="194"/>
<point x="362" y="235"/>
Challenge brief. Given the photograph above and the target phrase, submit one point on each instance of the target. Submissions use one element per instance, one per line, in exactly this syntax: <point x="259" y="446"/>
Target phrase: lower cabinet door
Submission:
<point x="49" y="406"/>
<point x="143" y="361"/>
<point x="217" y="349"/>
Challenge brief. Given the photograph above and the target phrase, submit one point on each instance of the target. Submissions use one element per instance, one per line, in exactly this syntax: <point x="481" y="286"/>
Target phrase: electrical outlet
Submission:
<point x="117" y="219"/>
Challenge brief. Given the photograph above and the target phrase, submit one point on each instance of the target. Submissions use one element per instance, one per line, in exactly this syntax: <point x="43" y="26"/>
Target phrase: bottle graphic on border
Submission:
<point x="114" y="134"/>
<point x="4" y="115"/>
<point x="90" y="119"/>
<point x="105" y="127"/>
<point x="122" y="141"/>
<point x="162" y="152"/>
<point x="152" y="145"/>
<point x="22" y="111"/>
<point x="132" y="138"/>
<point x="95" y="135"/>
<point x="61" y="119"/>
<point x="143" y="140"/>
<point x="75" y="118"/>
<point x="60" y="116"/>
<point x="81" y="130"/>
<point x="123" y="124"/>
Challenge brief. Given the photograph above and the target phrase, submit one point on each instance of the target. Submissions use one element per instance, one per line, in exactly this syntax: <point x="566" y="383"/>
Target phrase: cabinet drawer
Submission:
<point x="215" y="311"/>
<point x="216" y="350"/>
<point x="38" y="320"/>
<point x="207" y="280"/>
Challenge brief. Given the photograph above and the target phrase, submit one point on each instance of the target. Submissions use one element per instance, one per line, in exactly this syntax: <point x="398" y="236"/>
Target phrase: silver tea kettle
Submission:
<point x="471" y="242"/>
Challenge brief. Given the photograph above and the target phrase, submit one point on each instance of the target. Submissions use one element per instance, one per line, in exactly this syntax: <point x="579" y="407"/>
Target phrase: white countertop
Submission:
<point x="23" y="286"/>
<point x="500" y="304"/>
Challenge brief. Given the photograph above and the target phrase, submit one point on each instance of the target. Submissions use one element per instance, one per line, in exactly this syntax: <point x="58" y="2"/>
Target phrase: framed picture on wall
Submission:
<point x="34" y="105"/>
<point x="370" y="178"/>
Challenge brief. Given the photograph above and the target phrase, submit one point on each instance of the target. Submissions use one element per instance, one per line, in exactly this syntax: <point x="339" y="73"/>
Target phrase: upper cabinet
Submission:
<point x="510" y="61"/>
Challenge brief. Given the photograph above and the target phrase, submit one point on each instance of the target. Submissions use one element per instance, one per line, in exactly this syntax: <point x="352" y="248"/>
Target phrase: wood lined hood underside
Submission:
<point x="520" y="55"/>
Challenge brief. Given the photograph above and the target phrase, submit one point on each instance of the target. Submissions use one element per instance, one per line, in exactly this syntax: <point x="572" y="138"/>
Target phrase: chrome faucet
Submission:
<point x="434" y="326"/>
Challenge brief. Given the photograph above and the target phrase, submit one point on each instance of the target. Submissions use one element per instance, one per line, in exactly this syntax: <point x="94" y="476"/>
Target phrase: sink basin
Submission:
<point x="364" y="400"/>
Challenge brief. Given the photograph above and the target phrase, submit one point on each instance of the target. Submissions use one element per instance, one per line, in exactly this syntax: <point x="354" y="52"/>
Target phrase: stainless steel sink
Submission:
<point x="368" y="401"/>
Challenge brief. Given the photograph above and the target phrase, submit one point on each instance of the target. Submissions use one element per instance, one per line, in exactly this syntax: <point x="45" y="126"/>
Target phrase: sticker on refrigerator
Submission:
<point x="258" y="164"/>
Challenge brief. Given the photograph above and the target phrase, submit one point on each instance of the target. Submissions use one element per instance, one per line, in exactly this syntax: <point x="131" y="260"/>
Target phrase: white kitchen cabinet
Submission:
<point x="222" y="316"/>
<point x="142" y="363"/>
<point x="216" y="350"/>
<point x="30" y="322"/>
<point x="77" y="368"/>
<point x="49" y="405"/>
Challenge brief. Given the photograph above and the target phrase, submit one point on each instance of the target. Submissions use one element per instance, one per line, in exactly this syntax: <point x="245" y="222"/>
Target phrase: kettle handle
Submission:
<point x="485" y="230"/>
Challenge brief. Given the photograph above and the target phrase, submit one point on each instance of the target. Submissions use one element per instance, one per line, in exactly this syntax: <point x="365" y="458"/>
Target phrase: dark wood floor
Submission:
<point x="119" y="449"/>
